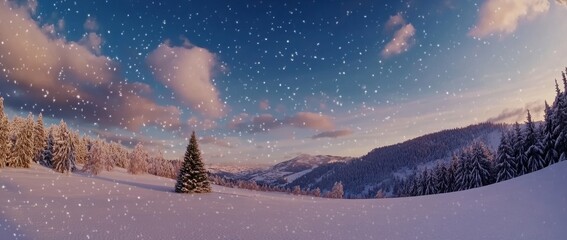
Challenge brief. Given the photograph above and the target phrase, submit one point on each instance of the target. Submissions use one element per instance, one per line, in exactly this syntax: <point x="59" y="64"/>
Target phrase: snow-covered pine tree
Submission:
<point x="95" y="161"/>
<point x="109" y="160"/>
<point x="462" y="170"/>
<point x="4" y="135"/>
<point x="192" y="178"/>
<point x="22" y="151"/>
<point x="429" y="182"/>
<point x="441" y="178"/>
<point x="296" y="190"/>
<point x="38" y="138"/>
<point x="120" y="155"/>
<point x="81" y="148"/>
<point x="413" y="185"/>
<point x="452" y="174"/>
<point x="316" y="192"/>
<point x="518" y="145"/>
<point x="47" y="156"/>
<point x="505" y="164"/>
<point x="480" y="166"/>
<point x="138" y="160"/>
<point x="337" y="191"/>
<point x="560" y="123"/>
<point x="533" y="146"/>
<point x="549" y="153"/>
<point x="63" y="150"/>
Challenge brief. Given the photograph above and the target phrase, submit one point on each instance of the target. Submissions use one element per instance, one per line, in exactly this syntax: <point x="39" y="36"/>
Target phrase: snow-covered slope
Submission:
<point x="286" y="172"/>
<point x="37" y="203"/>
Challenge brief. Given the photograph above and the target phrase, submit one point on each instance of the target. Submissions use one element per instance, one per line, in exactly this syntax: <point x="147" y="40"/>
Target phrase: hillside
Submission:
<point x="363" y="176"/>
<point x="287" y="172"/>
<point x="38" y="203"/>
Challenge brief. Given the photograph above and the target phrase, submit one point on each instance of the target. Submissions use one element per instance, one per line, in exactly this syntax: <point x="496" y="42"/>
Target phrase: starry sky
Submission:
<point x="264" y="81"/>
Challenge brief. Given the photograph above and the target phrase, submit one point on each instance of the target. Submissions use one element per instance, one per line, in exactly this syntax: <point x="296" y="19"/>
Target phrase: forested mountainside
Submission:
<point x="365" y="175"/>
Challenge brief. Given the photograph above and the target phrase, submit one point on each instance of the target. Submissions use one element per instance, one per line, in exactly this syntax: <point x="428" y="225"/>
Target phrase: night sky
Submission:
<point x="263" y="81"/>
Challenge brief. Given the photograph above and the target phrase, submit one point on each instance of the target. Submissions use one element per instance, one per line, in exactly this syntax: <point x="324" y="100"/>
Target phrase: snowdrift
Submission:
<point x="38" y="203"/>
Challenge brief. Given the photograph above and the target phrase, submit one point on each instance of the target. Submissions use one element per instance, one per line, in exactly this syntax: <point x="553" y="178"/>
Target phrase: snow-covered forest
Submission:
<point x="522" y="150"/>
<point x="25" y="140"/>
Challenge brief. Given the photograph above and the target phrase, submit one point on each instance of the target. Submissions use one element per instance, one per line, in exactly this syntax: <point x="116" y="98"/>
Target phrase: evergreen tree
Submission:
<point x="39" y="139"/>
<point x="452" y="174"/>
<point x="192" y="178"/>
<point x="480" y="166"/>
<point x="533" y="146"/>
<point x="317" y="192"/>
<point x="519" y="151"/>
<point x="505" y="165"/>
<point x="441" y="178"/>
<point x="337" y="191"/>
<point x="138" y="160"/>
<point x="95" y="161"/>
<point x="22" y="151"/>
<point x="429" y="182"/>
<point x="4" y="135"/>
<point x="81" y="148"/>
<point x="550" y="154"/>
<point x="462" y="176"/>
<point x="559" y="122"/>
<point x="47" y="156"/>
<point x="63" y="150"/>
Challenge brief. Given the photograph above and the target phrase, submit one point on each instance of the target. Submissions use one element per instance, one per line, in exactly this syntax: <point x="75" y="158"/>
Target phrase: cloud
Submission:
<point x="205" y="124"/>
<point x="333" y="134"/>
<point x="91" y="24"/>
<point x="264" y="105"/>
<point x="267" y="122"/>
<point x="310" y="120"/>
<point x="215" y="141"/>
<point x="66" y="80"/>
<point x="187" y="70"/>
<point x="518" y="114"/>
<point x="503" y="16"/>
<point x="403" y="38"/>
<point x="92" y="41"/>
<point x="395" y="21"/>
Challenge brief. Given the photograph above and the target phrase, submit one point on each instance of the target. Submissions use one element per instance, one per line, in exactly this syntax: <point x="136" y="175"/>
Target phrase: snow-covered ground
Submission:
<point x="37" y="203"/>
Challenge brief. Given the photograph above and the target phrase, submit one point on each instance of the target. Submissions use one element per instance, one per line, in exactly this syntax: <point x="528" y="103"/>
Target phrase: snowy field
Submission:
<point x="37" y="203"/>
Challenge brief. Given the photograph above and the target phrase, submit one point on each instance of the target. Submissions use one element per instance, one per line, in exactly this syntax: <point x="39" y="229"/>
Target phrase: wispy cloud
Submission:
<point x="503" y="16"/>
<point x="518" y="114"/>
<point x="333" y="134"/>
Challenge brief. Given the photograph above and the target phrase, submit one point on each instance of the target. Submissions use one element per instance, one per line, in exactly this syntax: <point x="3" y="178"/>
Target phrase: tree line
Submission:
<point x="27" y="140"/>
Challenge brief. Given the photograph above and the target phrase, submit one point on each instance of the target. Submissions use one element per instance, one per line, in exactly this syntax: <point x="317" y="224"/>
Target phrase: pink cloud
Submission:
<point x="503" y="16"/>
<point x="205" y="124"/>
<point x="92" y="41"/>
<point x="333" y="134"/>
<point x="187" y="71"/>
<point x="395" y="21"/>
<point x="216" y="142"/>
<point x="66" y="79"/>
<point x="401" y="42"/>
<point x="264" y="105"/>
<point x="310" y="120"/>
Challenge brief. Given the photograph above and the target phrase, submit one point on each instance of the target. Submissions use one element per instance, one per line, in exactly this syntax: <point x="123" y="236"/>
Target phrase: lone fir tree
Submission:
<point x="192" y="176"/>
